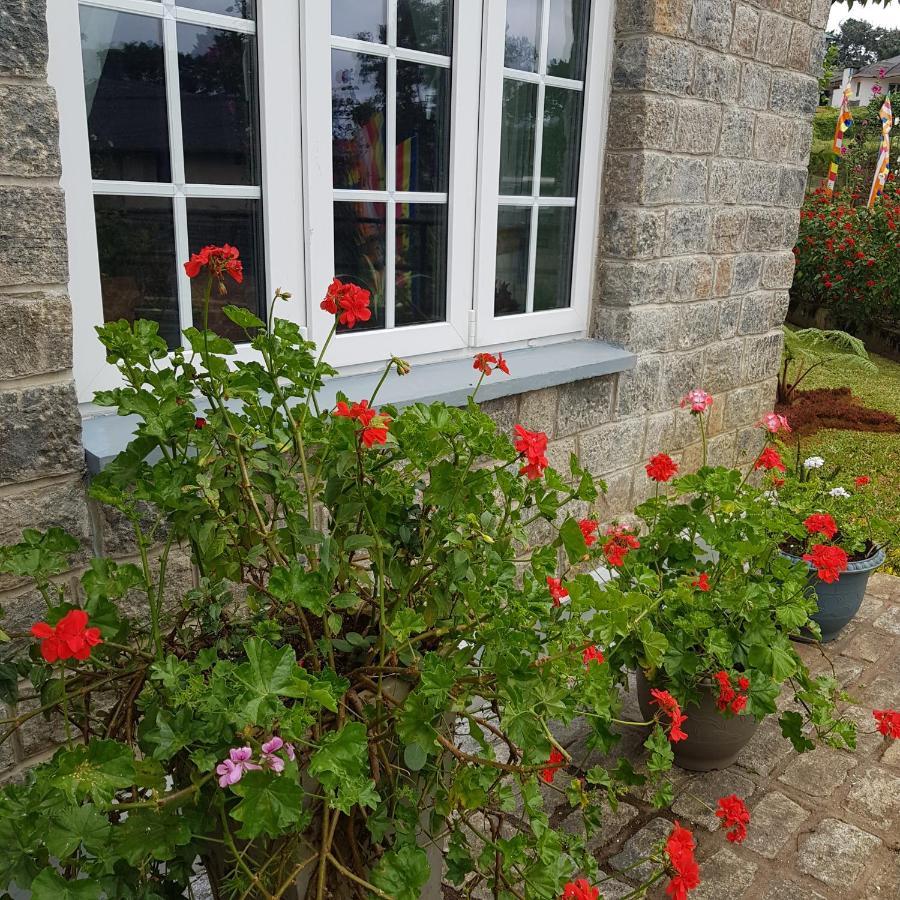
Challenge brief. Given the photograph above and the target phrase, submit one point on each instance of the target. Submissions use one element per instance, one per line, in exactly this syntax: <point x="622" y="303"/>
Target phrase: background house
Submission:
<point x="883" y="75"/>
<point x="607" y="190"/>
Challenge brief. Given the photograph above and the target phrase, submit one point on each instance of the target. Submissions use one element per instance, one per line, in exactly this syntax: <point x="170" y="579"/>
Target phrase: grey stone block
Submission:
<point x="765" y="229"/>
<point x="584" y="404"/>
<point x="875" y="797"/>
<point x="746" y="30"/>
<point x="818" y="773"/>
<point x="711" y="23"/>
<point x="716" y="77"/>
<point x="774" y="39"/>
<point x="634" y="283"/>
<point x="698" y="804"/>
<point x="638" y="391"/>
<point x="688" y="231"/>
<point x="725" y="874"/>
<point x="40" y="433"/>
<point x="653" y="178"/>
<point x="639" y="846"/>
<point x="800" y="52"/>
<point x="504" y="411"/>
<point x="756" y="82"/>
<point x="653" y="63"/>
<point x="537" y="410"/>
<point x="633" y="233"/>
<point x="663" y="16"/>
<point x="697" y="325"/>
<point x="747" y="273"/>
<point x="660" y="436"/>
<point x="775" y="819"/>
<point x="609" y="447"/>
<point x="32" y="236"/>
<point x="737" y="133"/>
<point x="23" y="38"/>
<point x="39" y="326"/>
<point x="29" y="145"/>
<point x="778" y="271"/>
<point x="764" y="356"/>
<point x="681" y="373"/>
<point x="794" y="94"/>
<point x="722" y="370"/>
<point x="799" y="9"/>
<point x="819" y="12"/>
<point x="698" y="127"/>
<point x="693" y="278"/>
<point x="724" y="181"/>
<point x="792" y="186"/>
<point x="641" y="121"/>
<point x="836" y="853"/>
<point x="729" y="227"/>
<point x="759" y="182"/>
<point x="641" y="329"/>
<point x="724" y="276"/>
<point x="775" y="139"/>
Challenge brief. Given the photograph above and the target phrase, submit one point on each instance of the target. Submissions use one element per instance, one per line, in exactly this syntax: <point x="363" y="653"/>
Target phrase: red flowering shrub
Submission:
<point x="685" y="871"/>
<point x="70" y="638"/>
<point x="735" y="817"/>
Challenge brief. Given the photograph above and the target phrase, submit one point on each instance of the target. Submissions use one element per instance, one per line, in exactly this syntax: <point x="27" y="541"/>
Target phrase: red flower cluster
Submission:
<point x="888" y="722"/>
<point x="589" y="531"/>
<point x="680" y="850"/>
<point x="200" y="423"/>
<point x="553" y="764"/>
<point x="669" y="705"/>
<point x="218" y="260"/>
<point x="580" y="890"/>
<point x="769" y="459"/>
<point x="70" y="638"/>
<point x="533" y="445"/>
<point x="375" y="425"/>
<point x="730" y="697"/>
<point x="484" y="362"/>
<point x="592" y="654"/>
<point x="735" y="817"/>
<point x="348" y="302"/>
<point x="821" y="523"/>
<point x="862" y="481"/>
<point x="557" y="591"/>
<point x="661" y="467"/>
<point x="621" y="542"/>
<point x="701" y="582"/>
<point x="828" y="561"/>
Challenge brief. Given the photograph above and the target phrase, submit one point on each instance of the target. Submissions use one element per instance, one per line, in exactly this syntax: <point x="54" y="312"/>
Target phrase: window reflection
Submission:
<point x="360" y="238"/>
<point x="523" y="29"/>
<point x="424" y="25"/>
<point x="423" y="127"/>
<point x="244" y="9"/>
<point x="555" y="243"/>
<point x="513" y="240"/>
<point x="421" y="271"/>
<point x="365" y="20"/>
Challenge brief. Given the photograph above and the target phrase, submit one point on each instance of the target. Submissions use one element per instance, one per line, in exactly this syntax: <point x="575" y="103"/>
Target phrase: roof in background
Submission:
<point x="891" y="67"/>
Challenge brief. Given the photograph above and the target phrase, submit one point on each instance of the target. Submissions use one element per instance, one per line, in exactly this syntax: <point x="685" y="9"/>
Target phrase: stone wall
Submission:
<point x="708" y="142"/>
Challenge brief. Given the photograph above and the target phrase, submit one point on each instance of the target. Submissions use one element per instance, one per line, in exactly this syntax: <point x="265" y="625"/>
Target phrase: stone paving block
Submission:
<point x="868" y="646"/>
<point x="868" y="740"/>
<point x="766" y="749"/>
<point x="843" y="669"/>
<point x="614" y="889"/>
<point x="889" y="621"/>
<point x="611" y="825"/>
<point x="836" y="853"/>
<point x="882" y="693"/>
<point x="871" y="608"/>
<point x="639" y="845"/>
<point x="697" y="802"/>
<point x="790" y="890"/>
<point x="772" y="823"/>
<point x="818" y="773"/>
<point x="875" y="797"/>
<point x="891" y="755"/>
<point x="724" y="875"/>
<point x="885" y="586"/>
<point x="886" y="883"/>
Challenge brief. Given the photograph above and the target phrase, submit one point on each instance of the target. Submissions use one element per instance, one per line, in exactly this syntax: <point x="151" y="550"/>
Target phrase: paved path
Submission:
<point x="824" y="825"/>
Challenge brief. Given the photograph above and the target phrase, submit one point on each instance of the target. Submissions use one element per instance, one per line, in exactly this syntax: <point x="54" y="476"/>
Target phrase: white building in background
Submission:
<point x="879" y="78"/>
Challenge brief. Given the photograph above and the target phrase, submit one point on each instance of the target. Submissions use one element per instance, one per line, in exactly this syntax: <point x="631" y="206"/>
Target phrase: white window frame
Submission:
<point x="280" y="145"/>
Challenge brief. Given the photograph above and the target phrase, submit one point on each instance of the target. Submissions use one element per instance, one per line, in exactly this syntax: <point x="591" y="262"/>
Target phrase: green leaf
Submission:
<point x="268" y="674"/>
<point x="295" y="585"/>
<point x="151" y="834"/>
<point x="50" y="885"/>
<point x="96" y="771"/>
<point x="402" y="873"/>
<point x="792" y="728"/>
<point x="573" y="540"/>
<point x="341" y="765"/>
<point x="270" y="804"/>
<point x="76" y="826"/>
<point x="415" y="757"/>
<point x="243" y="318"/>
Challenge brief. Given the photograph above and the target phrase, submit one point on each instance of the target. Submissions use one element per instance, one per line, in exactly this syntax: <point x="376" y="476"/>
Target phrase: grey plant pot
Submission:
<point x="840" y="602"/>
<point x="713" y="741"/>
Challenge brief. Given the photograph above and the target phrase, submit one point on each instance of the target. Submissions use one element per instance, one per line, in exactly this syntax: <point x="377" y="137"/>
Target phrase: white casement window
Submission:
<point x="443" y="154"/>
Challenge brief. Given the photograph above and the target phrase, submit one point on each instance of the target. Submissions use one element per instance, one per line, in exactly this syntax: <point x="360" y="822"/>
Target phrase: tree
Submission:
<point x="860" y="43"/>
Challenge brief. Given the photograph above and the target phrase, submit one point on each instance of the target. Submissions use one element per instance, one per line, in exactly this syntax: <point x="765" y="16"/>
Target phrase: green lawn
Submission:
<point x="865" y="453"/>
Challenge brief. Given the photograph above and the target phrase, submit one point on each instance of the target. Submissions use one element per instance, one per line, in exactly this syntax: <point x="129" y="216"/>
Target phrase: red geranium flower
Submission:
<point x="557" y="591"/>
<point x="589" y="531"/>
<point x="375" y="425"/>
<point x="200" y="423"/>
<point x="888" y="722"/>
<point x="620" y="543"/>
<point x="774" y="423"/>
<point x="329" y="304"/>
<point x="592" y="654"/>
<point x="661" y="467"/>
<point x="821" y="523"/>
<point x="829" y="562"/>
<point x="698" y="400"/>
<point x="579" y="890"/>
<point x="532" y="444"/>
<point x="680" y="850"/>
<point x="769" y="459"/>
<point x="483" y="363"/>
<point x="701" y="582"/>
<point x="219" y="261"/>
<point x="347" y="301"/>
<point x="377" y="432"/>
<point x="555" y="762"/>
<point x="502" y="364"/>
<point x="70" y="638"/>
<point x="862" y="480"/>
<point x="669" y="705"/>
<point x="735" y="817"/>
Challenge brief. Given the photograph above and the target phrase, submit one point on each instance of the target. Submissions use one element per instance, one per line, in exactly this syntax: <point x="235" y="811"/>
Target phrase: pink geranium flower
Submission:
<point x="231" y="770"/>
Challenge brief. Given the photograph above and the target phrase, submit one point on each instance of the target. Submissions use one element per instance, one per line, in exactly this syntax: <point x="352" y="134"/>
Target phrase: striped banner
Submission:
<point x="845" y="120"/>
<point x="884" y="157"/>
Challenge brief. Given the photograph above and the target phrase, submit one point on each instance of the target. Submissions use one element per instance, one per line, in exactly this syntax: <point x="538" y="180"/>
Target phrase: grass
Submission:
<point x="861" y="452"/>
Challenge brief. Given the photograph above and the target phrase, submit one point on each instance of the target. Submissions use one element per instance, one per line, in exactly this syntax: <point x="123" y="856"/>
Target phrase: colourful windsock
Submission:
<point x="884" y="156"/>
<point x="845" y="120"/>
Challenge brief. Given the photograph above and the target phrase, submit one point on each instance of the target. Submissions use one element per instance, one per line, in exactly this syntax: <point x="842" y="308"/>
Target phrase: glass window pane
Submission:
<point x="217" y="72"/>
<point x="244" y="9"/>
<point x="517" y="141"/>
<point x="553" y="264"/>
<point x="357" y="120"/>
<point x="425" y="25"/>
<point x="239" y="223"/>
<point x="561" y="142"/>
<point x="421" y="266"/>
<point x="125" y="93"/>
<point x="423" y="127"/>
<point x="523" y="29"/>
<point x="513" y="239"/>
<point x="365" y="20"/>
<point x="138" y="268"/>
<point x="567" y="41"/>
<point x="359" y="251"/>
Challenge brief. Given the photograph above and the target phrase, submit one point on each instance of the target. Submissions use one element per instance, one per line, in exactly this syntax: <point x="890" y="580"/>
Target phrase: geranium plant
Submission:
<point x="368" y="588"/>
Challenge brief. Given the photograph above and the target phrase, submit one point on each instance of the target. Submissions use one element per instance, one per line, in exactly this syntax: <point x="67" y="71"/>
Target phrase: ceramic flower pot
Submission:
<point x="713" y="741"/>
<point x="840" y="601"/>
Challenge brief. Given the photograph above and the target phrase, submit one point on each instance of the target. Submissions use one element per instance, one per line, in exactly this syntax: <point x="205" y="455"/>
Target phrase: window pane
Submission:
<point x="365" y="20"/>
<point x="561" y="145"/>
<point x="513" y="238"/>
<point x="217" y="72"/>
<point x="553" y="265"/>
<point x="244" y="9"/>
<point x="138" y="269"/>
<point x="517" y="141"/>
<point x="125" y="93"/>
<point x="357" y="119"/>
<point x="523" y="29"/>
<point x="424" y="25"/>
<point x="421" y="267"/>
<point x="359" y="250"/>
<point x="423" y="127"/>
<point x="567" y="42"/>
<point x="239" y="223"/>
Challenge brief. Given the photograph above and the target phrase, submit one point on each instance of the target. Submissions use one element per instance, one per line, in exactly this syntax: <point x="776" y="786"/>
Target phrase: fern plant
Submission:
<point x="808" y="349"/>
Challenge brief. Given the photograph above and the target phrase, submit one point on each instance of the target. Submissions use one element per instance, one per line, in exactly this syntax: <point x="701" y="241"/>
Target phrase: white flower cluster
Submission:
<point x="813" y="462"/>
<point x="839" y="492"/>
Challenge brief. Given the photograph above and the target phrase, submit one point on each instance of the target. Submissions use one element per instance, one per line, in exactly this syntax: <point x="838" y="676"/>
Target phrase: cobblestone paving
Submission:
<point x="825" y="825"/>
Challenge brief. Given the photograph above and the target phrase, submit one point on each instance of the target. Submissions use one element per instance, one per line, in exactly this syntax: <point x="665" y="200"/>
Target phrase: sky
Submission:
<point x="888" y="17"/>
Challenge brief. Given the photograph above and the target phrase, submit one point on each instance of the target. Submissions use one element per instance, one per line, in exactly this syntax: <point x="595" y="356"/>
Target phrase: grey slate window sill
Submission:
<point x="450" y="382"/>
